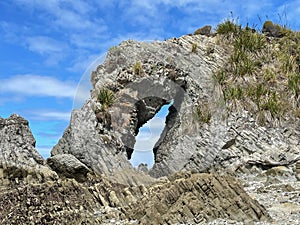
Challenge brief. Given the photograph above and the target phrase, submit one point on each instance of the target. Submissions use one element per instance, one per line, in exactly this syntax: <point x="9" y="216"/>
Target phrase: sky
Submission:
<point x="48" y="48"/>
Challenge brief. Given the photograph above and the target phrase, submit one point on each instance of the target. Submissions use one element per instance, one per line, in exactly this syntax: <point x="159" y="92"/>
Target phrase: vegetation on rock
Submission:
<point x="138" y="68"/>
<point x="106" y="97"/>
<point x="262" y="74"/>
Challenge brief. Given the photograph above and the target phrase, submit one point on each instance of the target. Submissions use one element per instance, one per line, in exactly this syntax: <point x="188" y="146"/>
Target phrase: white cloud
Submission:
<point x="49" y="115"/>
<point x="149" y="134"/>
<point x="40" y="86"/>
<point x="9" y="99"/>
<point x="43" y="44"/>
<point x="75" y="14"/>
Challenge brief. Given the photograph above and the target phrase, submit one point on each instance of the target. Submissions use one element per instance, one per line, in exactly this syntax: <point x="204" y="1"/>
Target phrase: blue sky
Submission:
<point x="47" y="47"/>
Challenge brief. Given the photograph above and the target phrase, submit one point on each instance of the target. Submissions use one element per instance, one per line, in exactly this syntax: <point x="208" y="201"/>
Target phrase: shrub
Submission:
<point x="138" y="68"/>
<point x="243" y="65"/>
<point x="249" y="41"/>
<point x="233" y="93"/>
<point x="272" y="104"/>
<point x="194" y="47"/>
<point x="220" y="77"/>
<point x="256" y="92"/>
<point x="269" y="75"/>
<point x="106" y="97"/>
<point x="202" y="113"/>
<point x="294" y="84"/>
<point x="288" y="63"/>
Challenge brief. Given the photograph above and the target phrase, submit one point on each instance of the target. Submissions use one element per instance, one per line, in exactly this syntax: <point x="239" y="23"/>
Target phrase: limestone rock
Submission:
<point x="18" y="157"/>
<point x="170" y="72"/>
<point x="68" y="166"/>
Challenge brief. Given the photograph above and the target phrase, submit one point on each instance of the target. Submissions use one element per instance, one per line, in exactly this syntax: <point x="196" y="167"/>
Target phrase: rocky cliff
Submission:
<point x="229" y="147"/>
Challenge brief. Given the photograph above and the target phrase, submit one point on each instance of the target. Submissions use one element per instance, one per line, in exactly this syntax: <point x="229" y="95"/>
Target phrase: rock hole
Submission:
<point x="147" y="136"/>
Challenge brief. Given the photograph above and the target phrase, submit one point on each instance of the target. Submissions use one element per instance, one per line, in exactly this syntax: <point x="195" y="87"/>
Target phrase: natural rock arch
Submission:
<point x="138" y="102"/>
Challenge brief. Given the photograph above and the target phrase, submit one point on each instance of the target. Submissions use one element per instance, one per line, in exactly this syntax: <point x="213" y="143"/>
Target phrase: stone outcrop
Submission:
<point x="170" y="71"/>
<point x="195" y="199"/>
<point x="206" y="30"/>
<point x="18" y="157"/>
<point x="62" y="202"/>
<point x="182" y="198"/>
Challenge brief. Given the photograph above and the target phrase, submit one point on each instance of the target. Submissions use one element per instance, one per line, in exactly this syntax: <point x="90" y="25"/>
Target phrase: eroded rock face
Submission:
<point x="181" y="198"/>
<point x="18" y="157"/>
<point x="195" y="199"/>
<point x="169" y="71"/>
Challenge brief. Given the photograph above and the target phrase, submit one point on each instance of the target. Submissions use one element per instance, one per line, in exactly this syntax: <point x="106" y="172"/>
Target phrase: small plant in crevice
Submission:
<point x="194" y="47"/>
<point x="289" y="64"/>
<point x="113" y="48"/>
<point x="273" y="104"/>
<point x="219" y="77"/>
<point x="106" y="97"/>
<point x="269" y="75"/>
<point x="202" y="113"/>
<point x="138" y="68"/>
<point x="233" y="93"/>
<point x="294" y="84"/>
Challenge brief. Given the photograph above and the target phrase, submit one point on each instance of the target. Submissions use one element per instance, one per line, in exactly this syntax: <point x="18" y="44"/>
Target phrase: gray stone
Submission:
<point x="18" y="157"/>
<point x="68" y="166"/>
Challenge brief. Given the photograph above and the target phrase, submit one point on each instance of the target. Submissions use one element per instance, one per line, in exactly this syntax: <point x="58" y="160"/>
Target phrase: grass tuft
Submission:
<point x="106" y="97"/>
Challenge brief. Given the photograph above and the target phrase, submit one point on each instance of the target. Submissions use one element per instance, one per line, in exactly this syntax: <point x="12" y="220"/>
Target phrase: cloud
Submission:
<point x="142" y="157"/>
<point x="43" y="44"/>
<point x="68" y="14"/>
<point x="9" y="99"/>
<point x="49" y="115"/>
<point x="149" y="134"/>
<point x="40" y="86"/>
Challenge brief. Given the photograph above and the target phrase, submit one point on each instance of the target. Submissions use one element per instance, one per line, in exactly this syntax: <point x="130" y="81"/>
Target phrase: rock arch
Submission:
<point x="138" y="102"/>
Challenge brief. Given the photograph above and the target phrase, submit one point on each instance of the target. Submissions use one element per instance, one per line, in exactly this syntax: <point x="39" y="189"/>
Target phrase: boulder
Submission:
<point x="67" y="165"/>
<point x="272" y="30"/>
<point x="206" y="30"/>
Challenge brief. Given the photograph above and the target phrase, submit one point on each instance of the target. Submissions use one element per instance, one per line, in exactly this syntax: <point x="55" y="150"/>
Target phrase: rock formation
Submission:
<point x="205" y="144"/>
<point x="170" y="71"/>
<point x="18" y="157"/>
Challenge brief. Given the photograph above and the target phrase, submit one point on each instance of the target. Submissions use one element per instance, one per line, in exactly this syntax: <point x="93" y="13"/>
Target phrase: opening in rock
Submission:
<point x="147" y="137"/>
